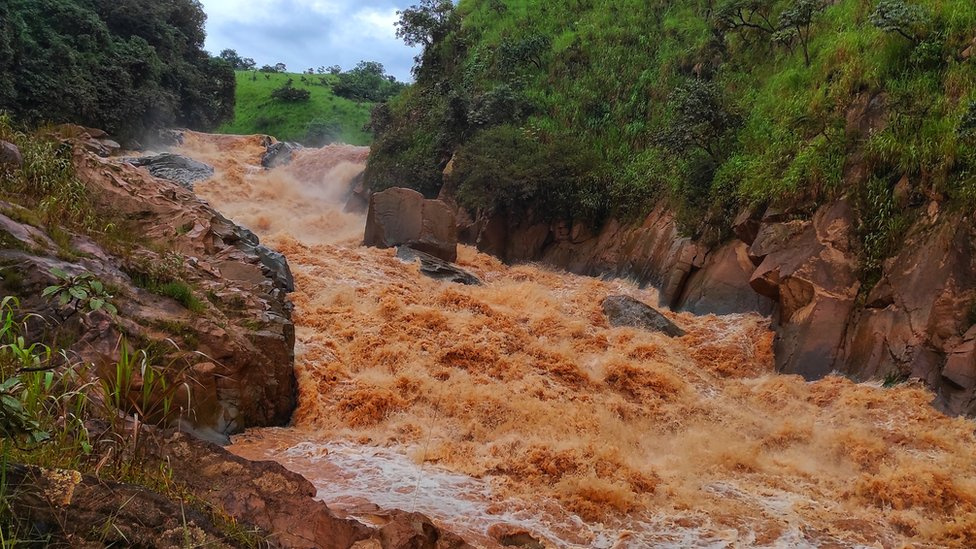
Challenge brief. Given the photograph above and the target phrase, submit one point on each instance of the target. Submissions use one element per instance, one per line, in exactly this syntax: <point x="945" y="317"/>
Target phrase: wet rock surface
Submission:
<point x="438" y="268"/>
<point x="403" y="217"/>
<point x="174" y="167"/>
<point x="231" y="338"/>
<point x="799" y="266"/>
<point x="279" y="154"/>
<point x="623" y="310"/>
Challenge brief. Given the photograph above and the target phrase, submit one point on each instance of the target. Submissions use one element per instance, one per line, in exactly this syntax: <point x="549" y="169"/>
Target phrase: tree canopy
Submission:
<point x="126" y="66"/>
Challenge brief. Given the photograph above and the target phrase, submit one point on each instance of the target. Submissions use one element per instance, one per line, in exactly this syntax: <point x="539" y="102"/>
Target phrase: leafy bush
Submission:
<point x="505" y="168"/>
<point x="320" y="132"/>
<point x="79" y="293"/>
<point x="897" y="16"/>
<point x="290" y="94"/>
<point x="367" y="82"/>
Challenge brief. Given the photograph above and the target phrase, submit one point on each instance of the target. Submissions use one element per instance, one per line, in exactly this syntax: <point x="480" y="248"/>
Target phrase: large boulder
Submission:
<point x="622" y="310"/>
<point x="10" y="157"/>
<point x="403" y="217"/>
<point x="279" y="154"/>
<point x="173" y="167"/>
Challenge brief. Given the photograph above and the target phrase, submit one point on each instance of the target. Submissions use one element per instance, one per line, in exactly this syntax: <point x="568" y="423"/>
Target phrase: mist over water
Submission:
<point x="515" y="407"/>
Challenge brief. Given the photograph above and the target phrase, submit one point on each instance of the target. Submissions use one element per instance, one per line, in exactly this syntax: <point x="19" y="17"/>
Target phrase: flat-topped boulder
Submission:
<point x="403" y="217"/>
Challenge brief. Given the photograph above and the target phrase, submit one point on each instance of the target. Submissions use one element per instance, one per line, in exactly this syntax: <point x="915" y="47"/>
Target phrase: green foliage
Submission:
<point x="79" y="293"/>
<point x="367" y="82"/>
<point x="290" y="94"/>
<point x="967" y="125"/>
<point x="798" y="18"/>
<point x="182" y="293"/>
<point x="125" y="66"/>
<point x="699" y="118"/>
<point x="505" y="168"/>
<point x="881" y="226"/>
<point x="754" y="96"/>
<point x="898" y="16"/>
<point x="46" y="183"/>
<point x="256" y="112"/>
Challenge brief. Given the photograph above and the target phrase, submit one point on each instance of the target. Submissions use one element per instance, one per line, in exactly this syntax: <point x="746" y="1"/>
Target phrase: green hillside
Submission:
<point x="590" y="108"/>
<point x="257" y="112"/>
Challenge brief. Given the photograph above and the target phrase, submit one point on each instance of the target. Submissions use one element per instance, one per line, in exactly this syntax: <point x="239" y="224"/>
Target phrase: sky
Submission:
<point x="307" y="34"/>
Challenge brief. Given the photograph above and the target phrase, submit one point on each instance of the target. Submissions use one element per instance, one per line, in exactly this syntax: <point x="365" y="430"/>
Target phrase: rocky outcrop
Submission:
<point x="262" y="497"/>
<point x="801" y="268"/>
<point x="652" y="252"/>
<point x="82" y="511"/>
<point x="279" y="154"/>
<point x="10" y="157"/>
<point x="188" y="283"/>
<point x="174" y="167"/>
<point x="403" y="217"/>
<point x="917" y="321"/>
<point x="438" y="269"/>
<point x="622" y="310"/>
<point x="810" y="269"/>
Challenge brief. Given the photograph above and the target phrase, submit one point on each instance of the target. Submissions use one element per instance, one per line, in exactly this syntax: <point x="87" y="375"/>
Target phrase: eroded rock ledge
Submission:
<point x="918" y="321"/>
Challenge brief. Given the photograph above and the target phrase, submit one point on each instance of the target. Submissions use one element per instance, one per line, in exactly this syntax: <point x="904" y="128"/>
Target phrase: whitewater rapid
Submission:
<point x="513" y="411"/>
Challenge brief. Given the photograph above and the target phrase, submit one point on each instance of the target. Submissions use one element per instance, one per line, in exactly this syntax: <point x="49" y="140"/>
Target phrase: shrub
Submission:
<point x="321" y="132"/>
<point x="290" y="94"/>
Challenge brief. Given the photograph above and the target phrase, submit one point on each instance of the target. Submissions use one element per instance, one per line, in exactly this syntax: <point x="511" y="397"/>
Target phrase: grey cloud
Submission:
<point x="301" y="37"/>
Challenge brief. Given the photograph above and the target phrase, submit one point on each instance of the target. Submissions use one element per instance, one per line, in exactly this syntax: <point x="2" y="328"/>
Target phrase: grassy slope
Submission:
<point x="606" y="78"/>
<point x="256" y="112"/>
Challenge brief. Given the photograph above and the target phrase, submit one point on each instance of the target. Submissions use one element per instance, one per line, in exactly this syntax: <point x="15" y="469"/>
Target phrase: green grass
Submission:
<point x="257" y="113"/>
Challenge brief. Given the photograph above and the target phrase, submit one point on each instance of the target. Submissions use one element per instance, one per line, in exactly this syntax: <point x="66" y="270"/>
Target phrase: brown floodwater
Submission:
<point x="514" y="408"/>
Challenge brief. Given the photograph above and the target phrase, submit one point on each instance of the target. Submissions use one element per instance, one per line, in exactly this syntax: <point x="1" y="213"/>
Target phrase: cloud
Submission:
<point x="310" y="33"/>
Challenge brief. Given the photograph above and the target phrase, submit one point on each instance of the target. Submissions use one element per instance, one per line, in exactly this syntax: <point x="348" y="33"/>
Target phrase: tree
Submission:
<point x="698" y="119"/>
<point x="248" y="64"/>
<point x="798" y="18"/>
<point x="367" y="82"/>
<point x="335" y="70"/>
<point x="908" y="20"/>
<point x="280" y="67"/>
<point x="425" y="23"/>
<point x="125" y="66"/>
<point x="231" y="57"/>
<point x="741" y="15"/>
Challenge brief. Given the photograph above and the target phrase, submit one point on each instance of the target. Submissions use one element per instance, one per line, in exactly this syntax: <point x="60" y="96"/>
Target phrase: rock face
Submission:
<point x="809" y="268"/>
<point x="623" y="310"/>
<point x="10" y="157"/>
<point x="137" y="517"/>
<point x="801" y="268"/>
<point x="279" y="154"/>
<point x="403" y="217"/>
<point x="262" y="496"/>
<point x="438" y="268"/>
<point x="231" y="338"/>
<point x="174" y="167"/>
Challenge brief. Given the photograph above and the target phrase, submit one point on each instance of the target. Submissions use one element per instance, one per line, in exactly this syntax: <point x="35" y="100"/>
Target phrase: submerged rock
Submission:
<point x="403" y="217"/>
<point x="173" y="167"/>
<point x="623" y="310"/>
<point x="438" y="268"/>
<point x="279" y="154"/>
